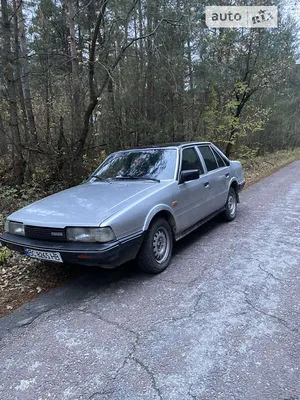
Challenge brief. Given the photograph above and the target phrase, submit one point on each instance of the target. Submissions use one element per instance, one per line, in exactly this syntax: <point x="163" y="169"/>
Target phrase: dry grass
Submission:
<point x="260" y="167"/>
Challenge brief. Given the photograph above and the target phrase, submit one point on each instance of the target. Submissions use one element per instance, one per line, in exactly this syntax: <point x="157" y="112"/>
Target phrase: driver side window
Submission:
<point x="190" y="160"/>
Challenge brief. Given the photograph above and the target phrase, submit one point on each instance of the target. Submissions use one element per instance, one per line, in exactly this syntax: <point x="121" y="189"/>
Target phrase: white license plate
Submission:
<point x="44" y="255"/>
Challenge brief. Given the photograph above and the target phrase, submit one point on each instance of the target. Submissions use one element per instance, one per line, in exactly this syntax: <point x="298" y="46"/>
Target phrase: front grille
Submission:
<point x="40" y="233"/>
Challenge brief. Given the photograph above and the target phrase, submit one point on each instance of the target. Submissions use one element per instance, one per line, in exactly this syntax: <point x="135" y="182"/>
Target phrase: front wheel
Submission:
<point x="156" y="251"/>
<point x="231" y="206"/>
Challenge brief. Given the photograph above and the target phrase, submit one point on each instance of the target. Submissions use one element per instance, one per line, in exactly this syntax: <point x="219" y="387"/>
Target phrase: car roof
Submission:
<point x="166" y="145"/>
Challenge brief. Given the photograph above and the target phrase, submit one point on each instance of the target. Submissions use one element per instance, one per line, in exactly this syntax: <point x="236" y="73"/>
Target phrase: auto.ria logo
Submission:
<point x="241" y="16"/>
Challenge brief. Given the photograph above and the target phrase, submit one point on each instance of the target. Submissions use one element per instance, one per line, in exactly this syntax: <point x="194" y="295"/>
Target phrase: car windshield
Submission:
<point x="154" y="164"/>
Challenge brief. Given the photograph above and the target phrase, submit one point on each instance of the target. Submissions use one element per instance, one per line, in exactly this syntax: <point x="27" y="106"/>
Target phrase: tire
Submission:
<point x="231" y="206"/>
<point x="156" y="251"/>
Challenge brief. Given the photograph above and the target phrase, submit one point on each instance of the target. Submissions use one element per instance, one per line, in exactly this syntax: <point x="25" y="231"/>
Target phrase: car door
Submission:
<point x="224" y="175"/>
<point x="218" y="177"/>
<point x="192" y="196"/>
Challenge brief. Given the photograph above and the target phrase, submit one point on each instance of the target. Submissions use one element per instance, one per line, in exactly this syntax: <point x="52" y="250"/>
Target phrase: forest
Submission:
<point x="83" y="78"/>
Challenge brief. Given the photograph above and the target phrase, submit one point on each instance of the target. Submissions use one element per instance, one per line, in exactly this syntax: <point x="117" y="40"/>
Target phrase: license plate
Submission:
<point x="44" y="255"/>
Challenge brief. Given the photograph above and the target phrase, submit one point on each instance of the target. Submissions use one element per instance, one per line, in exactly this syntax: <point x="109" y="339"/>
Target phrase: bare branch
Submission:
<point x="93" y="48"/>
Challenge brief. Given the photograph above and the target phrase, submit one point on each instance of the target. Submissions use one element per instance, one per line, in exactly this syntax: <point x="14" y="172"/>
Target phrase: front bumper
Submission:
<point x="105" y="255"/>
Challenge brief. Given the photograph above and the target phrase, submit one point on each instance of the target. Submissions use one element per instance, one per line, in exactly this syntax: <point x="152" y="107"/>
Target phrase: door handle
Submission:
<point x="227" y="175"/>
<point x="206" y="185"/>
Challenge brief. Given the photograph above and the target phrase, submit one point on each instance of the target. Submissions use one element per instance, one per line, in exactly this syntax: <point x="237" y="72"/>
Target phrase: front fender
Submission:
<point x="234" y="183"/>
<point x="154" y="211"/>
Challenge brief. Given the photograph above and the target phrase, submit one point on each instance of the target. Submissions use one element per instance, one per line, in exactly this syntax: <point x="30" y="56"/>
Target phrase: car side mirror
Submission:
<point x="189" y="175"/>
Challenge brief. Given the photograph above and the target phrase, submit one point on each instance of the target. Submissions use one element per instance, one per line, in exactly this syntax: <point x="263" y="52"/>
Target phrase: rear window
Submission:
<point x="220" y="161"/>
<point x="226" y="162"/>
<point x="209" y="158"/>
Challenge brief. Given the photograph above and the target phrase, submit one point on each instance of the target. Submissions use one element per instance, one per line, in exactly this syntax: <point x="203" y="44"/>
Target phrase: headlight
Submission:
<point x="14" y="228"/>
<point x="101" y="235"/>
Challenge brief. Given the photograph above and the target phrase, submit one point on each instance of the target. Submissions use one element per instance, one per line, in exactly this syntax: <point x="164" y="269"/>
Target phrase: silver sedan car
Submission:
<point x="135" y="205"/>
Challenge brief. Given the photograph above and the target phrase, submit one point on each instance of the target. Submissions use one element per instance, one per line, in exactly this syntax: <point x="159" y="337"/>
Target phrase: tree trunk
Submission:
<point x="60" y="157"/>
<point x="142" y="66"/>
<point x="25" y="70"/>
<point x="82" y="137"/>
<point x="19" y="73"/>
<point x="17" y="155"/>
<point x="96" y="92"/>
<point x="75" y="83"/>
<point x="3" y="138"/>
<point x="152" y="8"/>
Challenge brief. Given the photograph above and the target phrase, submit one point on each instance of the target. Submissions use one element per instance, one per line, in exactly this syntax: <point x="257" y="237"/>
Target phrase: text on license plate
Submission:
<point x="44" y="255"/>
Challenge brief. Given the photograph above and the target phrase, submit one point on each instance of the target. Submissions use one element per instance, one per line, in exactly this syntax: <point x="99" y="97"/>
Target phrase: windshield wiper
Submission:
<point x="147" y="178"/>
<point x="99" y="178"/>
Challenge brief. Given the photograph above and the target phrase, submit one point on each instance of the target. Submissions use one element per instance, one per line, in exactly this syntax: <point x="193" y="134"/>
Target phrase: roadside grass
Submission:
<point x="258" y="168"/>
<point x="23" y="279"/>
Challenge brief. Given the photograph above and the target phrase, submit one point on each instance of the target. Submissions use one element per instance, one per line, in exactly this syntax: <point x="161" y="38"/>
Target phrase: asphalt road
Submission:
<point x="222" y="322"/>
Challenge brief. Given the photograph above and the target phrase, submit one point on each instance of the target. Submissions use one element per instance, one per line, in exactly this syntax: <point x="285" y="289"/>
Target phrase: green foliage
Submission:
<point x="246" y="153"/>
<point x="5" y="254"/>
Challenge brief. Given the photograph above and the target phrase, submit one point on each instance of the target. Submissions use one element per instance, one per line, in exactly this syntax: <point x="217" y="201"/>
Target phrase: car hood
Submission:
<point x="85" y="205"/>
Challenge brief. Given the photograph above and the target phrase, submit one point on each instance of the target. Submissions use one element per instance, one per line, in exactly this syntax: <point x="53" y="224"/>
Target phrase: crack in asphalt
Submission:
<point x="190" y="283"/>
<point x="130" y="356"/>
<point x="107" y="321"/>
<point x="150" y="374"/>
<point x="103" y="392"/>
<point x="269" y="273"/>
<point x="260" y="263"/>
<point x="28" y="321"/>
<point x="25" y="322"/>
<point x="182" y="317"/>
<point x="96" y="394"/>
<point x="273" y="316"/>
<point x="131" y="352"/>
<point x="197" y="278"/>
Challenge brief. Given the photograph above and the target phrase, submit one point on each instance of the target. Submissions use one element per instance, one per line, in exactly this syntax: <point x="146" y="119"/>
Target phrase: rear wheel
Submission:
<point x="231" y="206"/>
<point x="156" y="251"/>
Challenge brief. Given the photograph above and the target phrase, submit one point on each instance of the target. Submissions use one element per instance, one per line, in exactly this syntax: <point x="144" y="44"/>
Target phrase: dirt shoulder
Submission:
<point x="258" y="168"/>
<point x="22" y="279"/>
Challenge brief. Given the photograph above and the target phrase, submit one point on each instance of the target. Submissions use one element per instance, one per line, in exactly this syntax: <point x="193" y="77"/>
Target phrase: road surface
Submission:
<point x="222" y="322"/>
